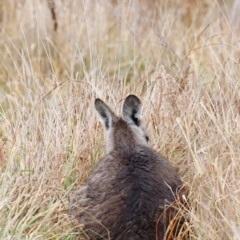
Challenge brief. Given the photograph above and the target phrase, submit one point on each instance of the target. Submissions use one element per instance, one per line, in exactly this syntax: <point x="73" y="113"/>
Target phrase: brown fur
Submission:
<point x="128" y="193"/>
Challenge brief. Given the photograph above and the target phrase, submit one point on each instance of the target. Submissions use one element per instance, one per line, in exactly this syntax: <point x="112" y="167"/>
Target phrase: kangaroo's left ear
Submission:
<point x="105" y="113"/>
<point x="132" y="110"/>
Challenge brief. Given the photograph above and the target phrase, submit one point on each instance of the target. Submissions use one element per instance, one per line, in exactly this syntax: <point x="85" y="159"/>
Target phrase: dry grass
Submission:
<point x="181" y="59"/>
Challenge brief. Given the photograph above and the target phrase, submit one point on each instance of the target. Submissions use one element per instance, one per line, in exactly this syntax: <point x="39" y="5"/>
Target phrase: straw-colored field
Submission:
<point x="182" y="58"/>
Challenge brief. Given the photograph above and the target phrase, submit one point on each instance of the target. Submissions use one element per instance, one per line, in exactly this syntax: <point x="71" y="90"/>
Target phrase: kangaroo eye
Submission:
<point x="147" y="138"/>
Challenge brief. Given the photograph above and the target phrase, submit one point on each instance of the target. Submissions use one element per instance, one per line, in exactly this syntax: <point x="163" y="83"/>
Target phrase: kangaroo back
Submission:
<point x="130" y="192"/>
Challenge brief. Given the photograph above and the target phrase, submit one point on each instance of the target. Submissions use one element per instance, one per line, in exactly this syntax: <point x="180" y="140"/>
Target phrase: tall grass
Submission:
<point x="180" y="57"/>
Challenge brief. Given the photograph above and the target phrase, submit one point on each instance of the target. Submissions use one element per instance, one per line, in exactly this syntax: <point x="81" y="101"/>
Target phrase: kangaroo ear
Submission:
<point x="132" y="110"/>
<point x="105" y="113"/>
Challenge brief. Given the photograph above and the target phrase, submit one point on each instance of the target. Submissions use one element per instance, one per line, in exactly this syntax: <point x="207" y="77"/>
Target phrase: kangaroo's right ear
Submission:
<point x="105" y="113"/>
<point x="132" y="110"/>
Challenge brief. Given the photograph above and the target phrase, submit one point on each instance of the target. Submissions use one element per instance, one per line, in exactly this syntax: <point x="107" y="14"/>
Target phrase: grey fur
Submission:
<point x="126" y="194"/>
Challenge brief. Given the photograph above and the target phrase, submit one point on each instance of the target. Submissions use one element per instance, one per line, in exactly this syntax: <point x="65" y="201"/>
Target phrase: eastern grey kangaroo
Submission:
<point x="130" y="193"/>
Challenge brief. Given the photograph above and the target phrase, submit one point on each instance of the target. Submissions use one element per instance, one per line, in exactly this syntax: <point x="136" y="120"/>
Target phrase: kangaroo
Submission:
<point x="130" y="191"/>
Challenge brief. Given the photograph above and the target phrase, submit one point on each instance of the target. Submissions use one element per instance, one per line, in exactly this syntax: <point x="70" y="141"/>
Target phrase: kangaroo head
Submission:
<point x="125" y="130"/>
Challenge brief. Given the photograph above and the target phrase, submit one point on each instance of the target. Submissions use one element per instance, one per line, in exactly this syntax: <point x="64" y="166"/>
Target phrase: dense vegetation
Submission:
<point x="180" y="57"/>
